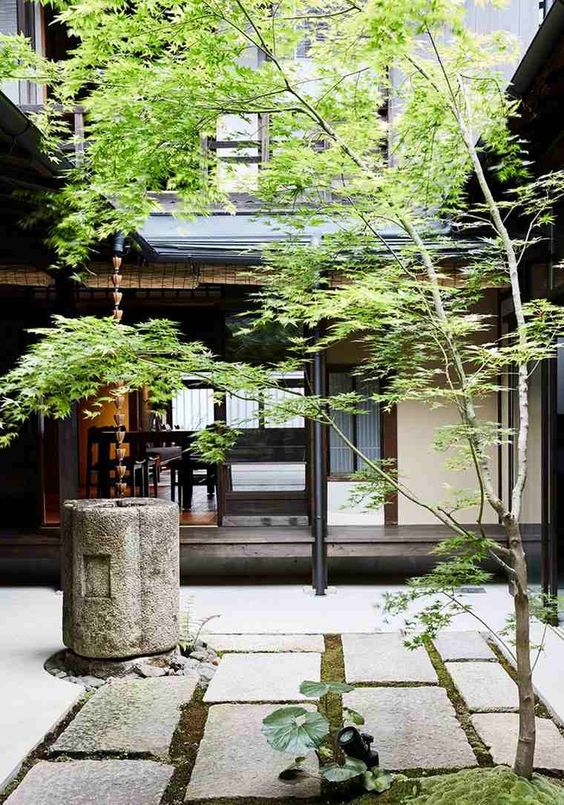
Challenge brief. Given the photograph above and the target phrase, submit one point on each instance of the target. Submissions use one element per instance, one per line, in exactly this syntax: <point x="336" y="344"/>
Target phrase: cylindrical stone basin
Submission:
<point x="120" y="568"/>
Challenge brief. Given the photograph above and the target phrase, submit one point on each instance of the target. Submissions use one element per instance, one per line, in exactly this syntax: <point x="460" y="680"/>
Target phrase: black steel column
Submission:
<point x="319" y="439"/>
<point x="549" y="515"/>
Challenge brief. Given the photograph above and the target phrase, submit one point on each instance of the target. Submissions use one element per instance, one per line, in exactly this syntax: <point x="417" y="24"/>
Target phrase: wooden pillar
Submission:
<point x="68" y="457"/>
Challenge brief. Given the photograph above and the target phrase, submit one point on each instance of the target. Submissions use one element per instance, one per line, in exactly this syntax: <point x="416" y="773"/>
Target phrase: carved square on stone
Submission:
<point x="97" y="579"/>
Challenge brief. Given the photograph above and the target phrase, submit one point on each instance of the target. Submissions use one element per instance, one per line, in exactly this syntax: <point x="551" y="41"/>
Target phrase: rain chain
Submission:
<point x="119" y="401"/>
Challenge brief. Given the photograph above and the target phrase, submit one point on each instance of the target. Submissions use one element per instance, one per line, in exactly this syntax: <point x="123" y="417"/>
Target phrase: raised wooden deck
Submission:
<point x="286" y="542"/>
<point x="342" y="541"/>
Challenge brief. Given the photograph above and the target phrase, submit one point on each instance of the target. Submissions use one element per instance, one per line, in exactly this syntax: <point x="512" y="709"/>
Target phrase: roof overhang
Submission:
<point x="241" y="238"/>
<point x="539" y="51"/>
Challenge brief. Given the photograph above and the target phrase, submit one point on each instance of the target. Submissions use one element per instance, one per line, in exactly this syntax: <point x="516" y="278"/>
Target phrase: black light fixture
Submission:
<point x="358" y="745"/>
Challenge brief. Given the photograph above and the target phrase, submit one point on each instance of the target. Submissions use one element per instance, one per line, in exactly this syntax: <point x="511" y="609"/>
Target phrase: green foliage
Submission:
<point x="498" y="786"/>
<point x="351" y="768"/>
<point x="191" y="628"/>
<point x="88" y="358"/>
<point x="136" y="66"/>
<point x="315" y="690"/>
<point x="300" y="731"/>
<point x="295" y="730"/>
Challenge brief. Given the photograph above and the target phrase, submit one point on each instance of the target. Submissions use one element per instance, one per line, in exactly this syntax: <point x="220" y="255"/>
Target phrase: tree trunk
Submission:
<point x="524" y="756"/>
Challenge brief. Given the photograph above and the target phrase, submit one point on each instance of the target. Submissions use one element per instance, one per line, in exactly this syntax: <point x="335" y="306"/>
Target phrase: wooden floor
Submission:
<point x="203" y="511"/>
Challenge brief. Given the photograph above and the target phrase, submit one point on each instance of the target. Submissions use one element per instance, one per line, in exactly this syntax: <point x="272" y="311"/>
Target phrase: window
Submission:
<point x="362" y="429"/>
<point x="247" y="413"/>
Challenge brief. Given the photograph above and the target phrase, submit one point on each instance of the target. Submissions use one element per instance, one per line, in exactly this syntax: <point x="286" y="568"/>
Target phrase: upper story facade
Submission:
<point x="241" y="145"/>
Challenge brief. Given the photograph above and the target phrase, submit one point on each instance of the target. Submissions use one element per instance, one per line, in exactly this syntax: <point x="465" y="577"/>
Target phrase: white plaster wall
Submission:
<point x="422" y="468"/>
<point x="340" y="511"/>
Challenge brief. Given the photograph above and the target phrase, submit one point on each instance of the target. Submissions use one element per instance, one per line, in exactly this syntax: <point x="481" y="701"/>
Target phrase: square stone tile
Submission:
<point x="235" y="760"/>
<point x="135" y="716"/>
<point x="266" y="642"/>
<point x="262" y="677"/>
<point x="484" y="686"/>
<point x="382" y="657"/>
<point x="85" y="782"/>
<point x="499" y="732"/>
<point x="459" y="646"/>
<point x="413" y="728"/>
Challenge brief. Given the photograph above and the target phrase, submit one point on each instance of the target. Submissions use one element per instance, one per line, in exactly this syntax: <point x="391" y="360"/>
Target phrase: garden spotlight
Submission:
<point x="357" y="745"/>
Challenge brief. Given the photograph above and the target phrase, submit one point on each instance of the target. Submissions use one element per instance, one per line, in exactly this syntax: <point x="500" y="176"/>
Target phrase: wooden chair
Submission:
<point x="187" y="472"/>
<point x="100" y="468"/>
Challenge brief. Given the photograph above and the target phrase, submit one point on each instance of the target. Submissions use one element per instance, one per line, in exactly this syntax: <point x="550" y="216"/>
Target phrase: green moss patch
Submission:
<point x="497" y="786"/>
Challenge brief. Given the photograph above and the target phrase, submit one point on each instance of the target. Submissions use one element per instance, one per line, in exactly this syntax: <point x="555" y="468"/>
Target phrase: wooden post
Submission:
<point x="68" y="457"/>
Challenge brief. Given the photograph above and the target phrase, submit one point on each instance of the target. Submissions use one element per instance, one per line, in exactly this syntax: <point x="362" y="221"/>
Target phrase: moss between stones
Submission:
<point x="497" y="786"/>
<point x="479" y="748"/>
<point x="333" y="670"/>
<point x="184" y="747"/>
<point x="541" y="710"/>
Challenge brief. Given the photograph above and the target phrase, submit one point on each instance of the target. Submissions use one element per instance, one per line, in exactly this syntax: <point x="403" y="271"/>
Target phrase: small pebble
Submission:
<point x="91" y="681"/>
<point x="207" y="671"/>
<point x="147" y="670"/>
<point x="179" y="662"/>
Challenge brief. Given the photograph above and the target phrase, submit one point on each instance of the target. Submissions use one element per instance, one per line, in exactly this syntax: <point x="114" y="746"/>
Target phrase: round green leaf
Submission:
<point x="295" y="730"/>
<point x="339" y="687"/>
<point x="338" y="774"/>
<point x="377" y="780"/>
<point x="315" y="690"/>
<point x="354" y="716"/>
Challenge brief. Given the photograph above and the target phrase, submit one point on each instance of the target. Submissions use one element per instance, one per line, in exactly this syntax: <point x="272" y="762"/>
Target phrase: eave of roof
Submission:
<point x="21" y="130"/>
<point x="540" y="49"/>
<point x="240" y="239"/>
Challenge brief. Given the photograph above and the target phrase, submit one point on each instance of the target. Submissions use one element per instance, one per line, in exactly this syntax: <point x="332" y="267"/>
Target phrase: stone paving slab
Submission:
<point x="134" y="716"/>
<point x="382" y="657"/>
<point x="413" y="728"/>
<point x="262" y="677"/>
<point x="84" y="782"/>
<point x="234" y="759"/>
<point x="485" y="687"/>
<point x="499" y="732"/>
<point x="460" y="646"/>
<point x="266" y="642"/>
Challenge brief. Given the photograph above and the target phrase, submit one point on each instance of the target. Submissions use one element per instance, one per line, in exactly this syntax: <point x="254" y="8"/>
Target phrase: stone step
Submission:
<point x="266" y="642"/>
<point x="484" y="686"/>
<point x="462" y="646"/>
<point x="499" y="731"/>
<point x="382" y="657"/>
<point x="235" y="760"/>
<point x="263" y="677"/>
<point x="84" y="782"/>
<point x="413" y="728"/>
<point x="137" y="716"/>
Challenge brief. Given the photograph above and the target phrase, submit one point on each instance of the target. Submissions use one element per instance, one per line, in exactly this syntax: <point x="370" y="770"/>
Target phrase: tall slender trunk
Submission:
<point x="524" y="756"/>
